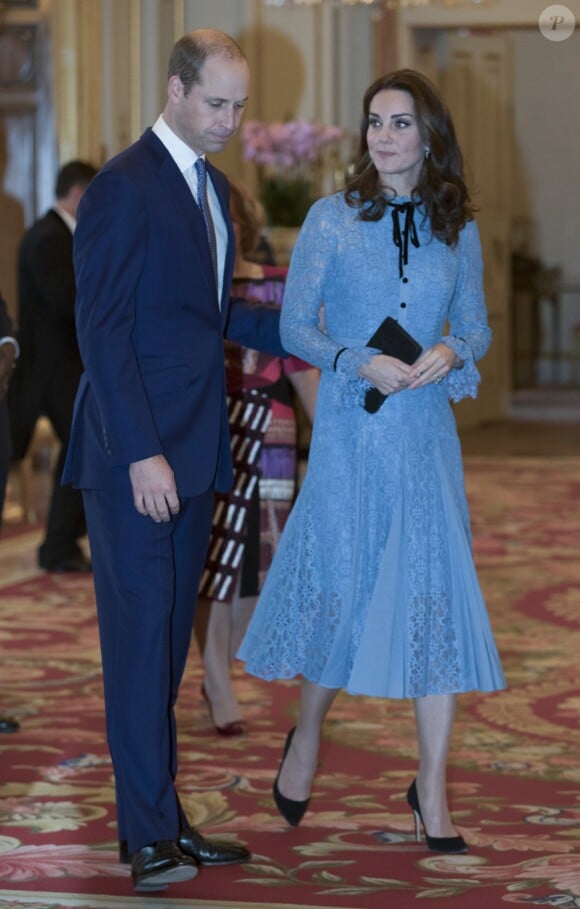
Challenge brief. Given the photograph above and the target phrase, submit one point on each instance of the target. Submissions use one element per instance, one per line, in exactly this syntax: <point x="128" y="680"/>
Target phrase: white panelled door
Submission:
<point x="474" y="73"/>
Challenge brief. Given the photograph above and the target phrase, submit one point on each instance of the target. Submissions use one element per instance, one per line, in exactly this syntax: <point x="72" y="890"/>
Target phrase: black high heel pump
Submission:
<point x="435" y="843"/>
<point x="291" y="811"/>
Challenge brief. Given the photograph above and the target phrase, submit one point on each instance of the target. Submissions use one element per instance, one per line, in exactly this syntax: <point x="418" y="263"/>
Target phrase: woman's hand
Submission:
<point x="432" y="366"/>
<point x="387" y="374"/>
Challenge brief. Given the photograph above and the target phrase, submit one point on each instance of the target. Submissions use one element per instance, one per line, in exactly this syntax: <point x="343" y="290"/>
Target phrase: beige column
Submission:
<point x="63" y="27"/>
<point x="385" y="44"/>
<point x="77" y="41"/>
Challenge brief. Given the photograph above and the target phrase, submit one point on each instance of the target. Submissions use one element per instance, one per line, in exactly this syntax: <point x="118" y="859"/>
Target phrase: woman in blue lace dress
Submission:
<point x="373" y="587"/>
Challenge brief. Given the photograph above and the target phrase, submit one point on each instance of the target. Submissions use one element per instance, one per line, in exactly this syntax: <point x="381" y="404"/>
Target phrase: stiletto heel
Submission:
<point x="417" y="817"/>
<point x="236" y="727"/>
<point x="435" y="843"/>
<point x="292" y="811"/>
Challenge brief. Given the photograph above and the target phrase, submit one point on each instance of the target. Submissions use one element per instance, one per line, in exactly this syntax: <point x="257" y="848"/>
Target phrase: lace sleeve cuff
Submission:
<point x="463" y="380"/>
<point x="347" y="370"/>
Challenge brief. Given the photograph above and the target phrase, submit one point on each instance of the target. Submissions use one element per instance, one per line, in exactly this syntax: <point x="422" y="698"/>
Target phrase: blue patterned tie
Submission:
<point x="203" y="203"/>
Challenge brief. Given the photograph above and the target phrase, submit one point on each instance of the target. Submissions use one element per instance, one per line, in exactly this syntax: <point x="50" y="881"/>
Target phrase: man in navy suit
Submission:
<point x="8" y="354"/>
<point x="150" y="439"/>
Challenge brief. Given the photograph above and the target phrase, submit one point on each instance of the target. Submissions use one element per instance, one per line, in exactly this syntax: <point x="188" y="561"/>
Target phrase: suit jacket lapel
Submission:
<point x="179" y="194"/>
<point x="221" y="187"/>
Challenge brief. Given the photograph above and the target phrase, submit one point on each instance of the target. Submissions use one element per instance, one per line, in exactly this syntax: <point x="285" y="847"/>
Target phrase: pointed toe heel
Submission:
<point x="235" y="727"/>
<point x="291" y="810"/>
<point x="435" y="843"/>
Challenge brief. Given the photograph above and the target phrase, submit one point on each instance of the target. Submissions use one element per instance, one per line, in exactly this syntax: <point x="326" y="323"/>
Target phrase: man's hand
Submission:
<point x="7" y="358"/>
<point x="154" y="489"/>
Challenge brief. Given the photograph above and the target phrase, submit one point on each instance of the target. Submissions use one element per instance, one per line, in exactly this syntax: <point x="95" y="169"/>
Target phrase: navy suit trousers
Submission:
<point x="146" y="581"/>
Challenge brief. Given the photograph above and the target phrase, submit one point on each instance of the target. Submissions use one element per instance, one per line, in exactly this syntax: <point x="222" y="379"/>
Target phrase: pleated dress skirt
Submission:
<point x="373" y="587"/>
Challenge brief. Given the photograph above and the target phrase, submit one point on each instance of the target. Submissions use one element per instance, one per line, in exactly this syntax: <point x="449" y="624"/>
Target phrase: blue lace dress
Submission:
<point x="373" y="586"/>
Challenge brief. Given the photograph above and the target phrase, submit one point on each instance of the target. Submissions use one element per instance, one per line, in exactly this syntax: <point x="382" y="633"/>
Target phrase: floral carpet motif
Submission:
<point x="514" y="772"/>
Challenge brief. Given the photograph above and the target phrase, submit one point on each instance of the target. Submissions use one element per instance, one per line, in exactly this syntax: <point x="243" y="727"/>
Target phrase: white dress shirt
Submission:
<point x="8" y="339"/>
<point x="185" y="158"/>
<point x="68" y="219"/>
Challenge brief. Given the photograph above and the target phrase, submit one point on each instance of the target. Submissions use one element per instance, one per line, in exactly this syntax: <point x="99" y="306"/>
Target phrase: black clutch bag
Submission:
<point x="391" y="339"/>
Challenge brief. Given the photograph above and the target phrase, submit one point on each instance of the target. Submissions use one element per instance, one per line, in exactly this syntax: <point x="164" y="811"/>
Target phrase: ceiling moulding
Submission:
<point x="385" y="4"/>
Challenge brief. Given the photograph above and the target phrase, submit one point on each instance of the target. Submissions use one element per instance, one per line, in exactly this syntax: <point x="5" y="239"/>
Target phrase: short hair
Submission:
<point x="249" y="213"/>
<point x="74" y="173"/>
<point x="193" y="49"/>
<point x="441" y="184"/>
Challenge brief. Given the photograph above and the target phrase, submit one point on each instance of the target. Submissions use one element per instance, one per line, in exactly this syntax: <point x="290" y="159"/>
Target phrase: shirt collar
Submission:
<point x="182" y="154"/>
<point x="68" y="219"/>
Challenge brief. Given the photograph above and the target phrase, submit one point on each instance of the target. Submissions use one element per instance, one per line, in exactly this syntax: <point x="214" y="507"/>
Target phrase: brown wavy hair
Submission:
<point x="441" y="186"/>
<point x="249" y="213"/>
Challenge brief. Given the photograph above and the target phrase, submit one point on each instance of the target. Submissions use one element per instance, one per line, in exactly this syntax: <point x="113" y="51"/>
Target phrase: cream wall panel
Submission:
<point x="354" y="64"/>
<point x="118" y="77"/>
<point x="502" y="14"/>
<point x="157" y="34"/>
<point x="505" y="13"/>
<point x="63" y="27"/>
<point x="547" y="134"/>
<point x="137" y="25"/>
<point x="90" y="44"/>
<point x="290" y="66"/>
<point x="227" y="15"/>
<point x="76" y="29"/>
<point x="476" y="78"/>
<point x="108" y="102"/>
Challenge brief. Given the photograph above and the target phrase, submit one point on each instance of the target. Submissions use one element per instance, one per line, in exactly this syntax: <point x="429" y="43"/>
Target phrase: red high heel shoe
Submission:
<point x="236" y="727"/>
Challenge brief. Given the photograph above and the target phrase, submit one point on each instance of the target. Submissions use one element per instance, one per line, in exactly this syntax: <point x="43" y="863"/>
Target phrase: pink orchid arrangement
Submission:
<point x="289" y="155"/>
<point x="289" y="145"/>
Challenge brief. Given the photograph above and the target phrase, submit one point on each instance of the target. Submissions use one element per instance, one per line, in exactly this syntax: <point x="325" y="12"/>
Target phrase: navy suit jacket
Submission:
<point x="149" y="327"/>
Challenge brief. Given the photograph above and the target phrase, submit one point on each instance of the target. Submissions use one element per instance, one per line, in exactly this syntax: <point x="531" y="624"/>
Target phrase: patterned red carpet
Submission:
<point x="514" y="772"/>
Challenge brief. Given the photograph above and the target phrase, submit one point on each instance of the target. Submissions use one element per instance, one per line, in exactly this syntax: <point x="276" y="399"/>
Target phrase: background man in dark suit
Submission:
<point x="8" y="352"/>
<point x="49" y="368"/>
<point x="154" y="255"/>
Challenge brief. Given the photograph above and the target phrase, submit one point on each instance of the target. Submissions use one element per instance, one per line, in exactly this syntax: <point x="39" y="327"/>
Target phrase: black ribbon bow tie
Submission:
<point x="401" y="239"/>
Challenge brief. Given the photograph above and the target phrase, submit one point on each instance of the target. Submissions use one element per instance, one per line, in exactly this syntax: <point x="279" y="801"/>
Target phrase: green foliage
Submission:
<point x="286" y="200"/>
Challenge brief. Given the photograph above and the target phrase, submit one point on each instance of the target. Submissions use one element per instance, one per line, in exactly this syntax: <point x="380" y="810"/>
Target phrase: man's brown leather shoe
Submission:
<point x="155" y="866"/>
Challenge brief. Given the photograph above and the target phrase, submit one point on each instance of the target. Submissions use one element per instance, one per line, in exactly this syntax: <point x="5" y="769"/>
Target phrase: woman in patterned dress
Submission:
<point x="279" y="379"/>
<point x="373" y="587"/>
